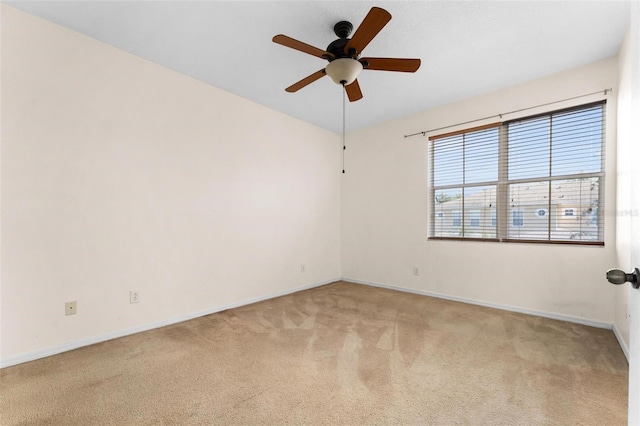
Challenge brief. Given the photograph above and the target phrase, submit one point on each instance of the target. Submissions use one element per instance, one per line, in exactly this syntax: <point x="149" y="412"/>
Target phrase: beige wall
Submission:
<point x="118" y="175"/>
<point x="385" y="213"/>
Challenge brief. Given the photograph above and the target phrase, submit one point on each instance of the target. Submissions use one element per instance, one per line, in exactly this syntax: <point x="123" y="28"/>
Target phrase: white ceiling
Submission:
<point x="467" y="47"/>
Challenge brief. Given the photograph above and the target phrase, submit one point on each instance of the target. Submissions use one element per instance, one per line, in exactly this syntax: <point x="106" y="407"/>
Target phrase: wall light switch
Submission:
<point x="134" y="296"/>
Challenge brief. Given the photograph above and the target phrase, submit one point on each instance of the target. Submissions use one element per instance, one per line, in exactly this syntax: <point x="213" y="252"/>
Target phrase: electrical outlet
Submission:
<point x="302" y="268"/>
<point x="70" y="308"/>
<point x="134" y="296"/>
<point x="416" y="271"/>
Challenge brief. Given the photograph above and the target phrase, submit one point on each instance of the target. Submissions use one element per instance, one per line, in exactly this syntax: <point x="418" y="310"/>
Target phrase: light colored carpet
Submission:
<point x="337" y="354"/>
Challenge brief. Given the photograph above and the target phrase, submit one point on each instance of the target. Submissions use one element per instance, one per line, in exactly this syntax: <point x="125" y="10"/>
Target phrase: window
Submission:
<point x="465" y="181"/>
<point x="474" y="218"/>
<point x="517" y="218"/>
<point x="542" y="212"/>
<point x="457" y="218"/>
<point x="535" y="179"/>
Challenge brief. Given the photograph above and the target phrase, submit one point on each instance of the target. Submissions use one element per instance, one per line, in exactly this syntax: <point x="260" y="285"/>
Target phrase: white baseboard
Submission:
<point x="621" y="341"/>
<point x="32" y="356"/>
<point x="544" y="314"/>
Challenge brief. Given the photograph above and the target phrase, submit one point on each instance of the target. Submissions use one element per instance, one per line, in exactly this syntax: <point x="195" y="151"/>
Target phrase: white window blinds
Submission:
<point x="536" y="179"/>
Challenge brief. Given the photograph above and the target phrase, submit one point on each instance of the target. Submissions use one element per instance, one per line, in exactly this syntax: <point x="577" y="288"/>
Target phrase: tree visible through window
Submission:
<point x="533" y="179"/>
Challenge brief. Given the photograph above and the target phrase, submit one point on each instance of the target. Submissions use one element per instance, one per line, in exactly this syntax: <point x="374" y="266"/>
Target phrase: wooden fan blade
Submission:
<point x="302" y="47"/>
<point x="375" y="20"/>
<point x="391" y="64"/>
<point x="353" y="91"/>
<point x="305" y="81"/>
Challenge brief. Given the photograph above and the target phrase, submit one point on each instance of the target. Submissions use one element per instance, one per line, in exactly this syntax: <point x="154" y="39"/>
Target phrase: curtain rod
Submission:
<point x="424" y="132"/>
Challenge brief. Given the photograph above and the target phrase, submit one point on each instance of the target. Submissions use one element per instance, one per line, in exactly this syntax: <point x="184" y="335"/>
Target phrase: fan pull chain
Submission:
<point x="344" y="147"/>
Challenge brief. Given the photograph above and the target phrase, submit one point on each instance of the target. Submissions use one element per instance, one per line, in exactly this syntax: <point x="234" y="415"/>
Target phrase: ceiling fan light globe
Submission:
<point x="343" y="71"/>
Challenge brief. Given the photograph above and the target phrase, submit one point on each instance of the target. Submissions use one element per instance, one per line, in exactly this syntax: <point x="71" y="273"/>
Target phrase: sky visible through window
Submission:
<point x="558" y="145"/>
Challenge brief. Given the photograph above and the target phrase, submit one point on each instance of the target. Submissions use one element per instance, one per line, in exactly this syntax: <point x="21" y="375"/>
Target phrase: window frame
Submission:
<point x="503" y="210"/>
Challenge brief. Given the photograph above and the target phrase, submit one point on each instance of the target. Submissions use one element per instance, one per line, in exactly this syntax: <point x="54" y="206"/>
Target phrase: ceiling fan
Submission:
<point x="343" y="54"/>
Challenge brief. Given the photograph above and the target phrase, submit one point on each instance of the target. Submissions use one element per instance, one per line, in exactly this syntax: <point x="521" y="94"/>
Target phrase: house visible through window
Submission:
<point x="535" y="179"/>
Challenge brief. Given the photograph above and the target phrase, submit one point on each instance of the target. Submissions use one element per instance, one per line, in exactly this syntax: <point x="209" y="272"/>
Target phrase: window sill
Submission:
<point x="506" y="240"/>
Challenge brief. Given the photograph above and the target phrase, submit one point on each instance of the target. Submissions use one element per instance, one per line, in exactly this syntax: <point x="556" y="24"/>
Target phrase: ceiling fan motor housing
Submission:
<point x="336" y="48"/>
